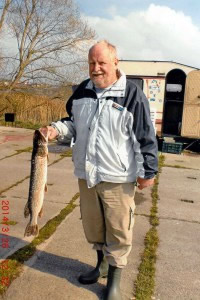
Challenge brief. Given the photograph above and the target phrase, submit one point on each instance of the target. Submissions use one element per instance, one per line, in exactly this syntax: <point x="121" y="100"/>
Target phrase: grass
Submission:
<point x="32" y="109"/>
<point x="22" y="124"/>
<point x="9" y="223"/>
<point x="145" y="279"/>
<point x="28" y="149"/>
<point x="177" y="167"/>
<point x="145" y="282"/>
<point x="67" y="153"/>
<point x="13" y="185"/>
<point x="12" y="267"/>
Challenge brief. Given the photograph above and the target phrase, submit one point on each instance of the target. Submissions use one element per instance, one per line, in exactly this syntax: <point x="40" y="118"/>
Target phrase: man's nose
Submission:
<point x="96" y="67"/>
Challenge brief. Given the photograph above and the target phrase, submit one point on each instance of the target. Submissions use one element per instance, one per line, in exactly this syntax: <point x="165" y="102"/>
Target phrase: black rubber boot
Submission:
<point x="113" y="284"/>
<point x="100" y="271"/>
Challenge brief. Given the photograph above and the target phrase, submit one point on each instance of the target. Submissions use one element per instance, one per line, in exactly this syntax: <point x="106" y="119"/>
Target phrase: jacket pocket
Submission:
<point x="121" y="163"/>
<point x="78" y="156"/>
<point x="131" y="218"/>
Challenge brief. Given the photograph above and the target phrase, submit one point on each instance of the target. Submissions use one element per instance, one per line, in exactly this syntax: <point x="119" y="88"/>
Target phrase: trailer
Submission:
<point x="173" y="92"/>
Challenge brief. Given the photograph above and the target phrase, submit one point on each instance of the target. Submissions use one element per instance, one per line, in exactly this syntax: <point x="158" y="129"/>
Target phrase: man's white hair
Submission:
<point x="111" y="48"/>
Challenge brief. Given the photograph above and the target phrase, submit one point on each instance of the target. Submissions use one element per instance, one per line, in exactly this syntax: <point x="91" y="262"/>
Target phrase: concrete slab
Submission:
<point x="62" y="187"/>
<point x="14" y="131"/>
<point x="130" y="273"/>
<point x="12" y="139"/>
<point x="177" y="189"/>
<point x="67" y="254"/>
<point x="178" y="264"/>
<point x="187" y="160"/>
<point x="53" y="271"/>
<point x="143" y="201"/>
<point x="18" y="167"/>
<point x="15" y="168"/>
<point x="59" y="260"/>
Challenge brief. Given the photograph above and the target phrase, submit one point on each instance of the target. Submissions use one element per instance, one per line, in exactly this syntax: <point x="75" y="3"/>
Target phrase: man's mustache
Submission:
<point x="97" y="73"/>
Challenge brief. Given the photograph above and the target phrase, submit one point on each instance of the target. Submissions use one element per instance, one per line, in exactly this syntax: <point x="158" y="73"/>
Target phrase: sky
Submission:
<point x="147" y="30"/>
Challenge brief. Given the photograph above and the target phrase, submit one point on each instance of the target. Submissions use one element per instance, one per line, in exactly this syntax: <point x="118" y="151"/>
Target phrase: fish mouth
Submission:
<point x="41" y="136"/>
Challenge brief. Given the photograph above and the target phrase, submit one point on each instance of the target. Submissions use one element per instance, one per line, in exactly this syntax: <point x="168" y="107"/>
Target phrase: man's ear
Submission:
<point x="116" y="61"/>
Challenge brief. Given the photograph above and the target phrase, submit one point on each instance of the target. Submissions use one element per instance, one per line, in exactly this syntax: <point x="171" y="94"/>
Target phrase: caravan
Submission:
<point x="173" y="92"/>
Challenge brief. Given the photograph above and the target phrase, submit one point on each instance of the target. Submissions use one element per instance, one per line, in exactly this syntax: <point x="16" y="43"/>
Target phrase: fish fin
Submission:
<point x="41" y="212"/>
<point x="28" y="230"/>
<point x="31" y="230"/>
<point x="26" y="210"/>
<point x="46" y="188"/>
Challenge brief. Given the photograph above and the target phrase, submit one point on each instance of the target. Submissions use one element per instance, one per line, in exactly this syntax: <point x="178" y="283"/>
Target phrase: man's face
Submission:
<point x="102" y="66"/>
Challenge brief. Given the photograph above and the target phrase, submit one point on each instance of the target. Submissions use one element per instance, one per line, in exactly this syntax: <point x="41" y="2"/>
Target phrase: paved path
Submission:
<point x="52" y="273"/>
<point x="178" y="263"/>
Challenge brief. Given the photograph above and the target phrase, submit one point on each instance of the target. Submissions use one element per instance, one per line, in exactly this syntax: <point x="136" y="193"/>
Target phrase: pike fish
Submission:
<point x="38" y="182"/>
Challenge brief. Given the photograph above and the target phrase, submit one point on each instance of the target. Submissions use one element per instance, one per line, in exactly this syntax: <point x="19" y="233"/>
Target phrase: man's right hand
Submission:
<point x="50" y="132"/>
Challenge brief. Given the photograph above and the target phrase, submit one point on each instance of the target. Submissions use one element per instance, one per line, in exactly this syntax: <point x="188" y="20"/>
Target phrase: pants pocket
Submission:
<point x="80" y="210"/>
<point x="131" y="218"/>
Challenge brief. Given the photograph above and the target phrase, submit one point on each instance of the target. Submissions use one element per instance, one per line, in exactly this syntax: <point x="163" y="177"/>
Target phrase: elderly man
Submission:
<point x="115" y="148"/>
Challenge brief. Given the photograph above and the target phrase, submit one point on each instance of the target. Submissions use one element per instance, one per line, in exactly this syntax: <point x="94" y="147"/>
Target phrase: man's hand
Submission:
<point x="143" y="183"/>
<point x="50" y="132"/>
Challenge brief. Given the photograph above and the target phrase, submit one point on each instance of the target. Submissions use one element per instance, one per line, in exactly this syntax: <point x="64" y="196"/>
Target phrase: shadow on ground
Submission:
<point x="63" y="267"/>
<point x="139" y="198"/>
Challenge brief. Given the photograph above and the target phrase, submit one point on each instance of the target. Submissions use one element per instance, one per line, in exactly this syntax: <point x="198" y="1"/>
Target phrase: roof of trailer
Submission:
<point x="158" y="61"/>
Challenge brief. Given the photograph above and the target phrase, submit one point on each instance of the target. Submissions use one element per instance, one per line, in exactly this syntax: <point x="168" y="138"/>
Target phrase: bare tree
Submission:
<point x="51" y="39"/>
<point x="4" y="6"/>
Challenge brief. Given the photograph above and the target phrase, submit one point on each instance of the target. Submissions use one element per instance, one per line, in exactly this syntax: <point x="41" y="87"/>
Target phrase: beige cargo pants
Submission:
<point x="107" y="212"/>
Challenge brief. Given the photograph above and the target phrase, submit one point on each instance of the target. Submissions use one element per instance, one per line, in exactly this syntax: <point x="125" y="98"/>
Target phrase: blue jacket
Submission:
<point x="114" y="136"/>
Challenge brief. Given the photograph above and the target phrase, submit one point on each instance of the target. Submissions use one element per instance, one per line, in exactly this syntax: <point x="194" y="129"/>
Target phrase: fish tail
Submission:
<point x="31" y="230"/>
<point x="26" y="210"/>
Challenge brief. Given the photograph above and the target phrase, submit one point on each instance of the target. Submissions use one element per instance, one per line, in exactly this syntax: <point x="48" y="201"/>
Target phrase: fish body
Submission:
<point x="38" y="182"/>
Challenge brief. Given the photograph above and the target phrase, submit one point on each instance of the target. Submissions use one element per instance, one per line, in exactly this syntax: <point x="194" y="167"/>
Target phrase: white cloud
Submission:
<point x="159" y="33"/>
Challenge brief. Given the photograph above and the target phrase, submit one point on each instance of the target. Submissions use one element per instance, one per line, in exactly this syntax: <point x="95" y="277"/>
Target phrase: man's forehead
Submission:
<point x="99" y="49"/>
<point x="102" y="53"/>
<point x="100" y="57"/>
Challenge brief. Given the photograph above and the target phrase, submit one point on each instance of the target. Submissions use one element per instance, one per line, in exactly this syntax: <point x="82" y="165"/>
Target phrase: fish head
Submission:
<point x="40" y="137"/>
<point x="40" y="141"/>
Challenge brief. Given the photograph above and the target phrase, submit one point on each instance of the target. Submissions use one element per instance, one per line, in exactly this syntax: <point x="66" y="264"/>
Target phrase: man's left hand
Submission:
<point x="143" y="183"/>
